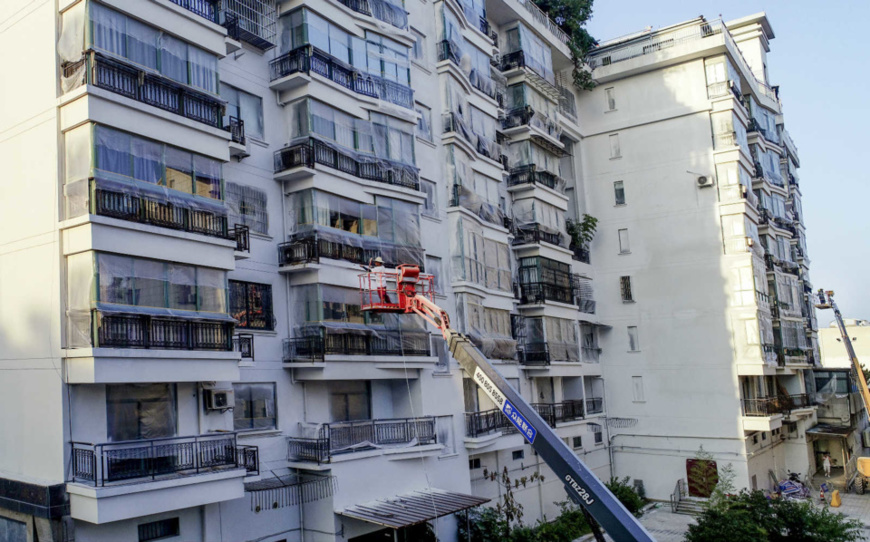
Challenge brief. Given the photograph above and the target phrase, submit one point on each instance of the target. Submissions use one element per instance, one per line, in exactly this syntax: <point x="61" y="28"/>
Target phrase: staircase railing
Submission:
<point x="677" y="495"/>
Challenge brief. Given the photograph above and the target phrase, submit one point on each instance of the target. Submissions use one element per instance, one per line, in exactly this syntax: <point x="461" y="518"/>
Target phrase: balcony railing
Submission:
<point x="308" y="59"/>
<point x="764" y="406"/>
<point x="310" y="248"/>
<point x="146" y="460"/>
<point x="580" y="254"/>
<point x="533" y="234"/>
<point x="251" y="21"/>
<point x="346" y="437"/>
<point x="314" y="151"/>
<point x="533" y="353"/>
<point x="120" y="330"/>
<point x="207" y="9"/>
<point x="380" y="343"/>
<point x="565" y="411"/>
<point x="591" y="354"/>
<point x="538" y="292"/>
<point x="654" y="42"/>
<point x="595" y="405"/>
<point x="518" y="116"/>
<point x="143" y="210"/>
<point x="529" y="174"/>
<point x="541" y="18"/>
<point x="485" y="422"/>
<point x="150" y="88"/>
<point x="236" y="128"/>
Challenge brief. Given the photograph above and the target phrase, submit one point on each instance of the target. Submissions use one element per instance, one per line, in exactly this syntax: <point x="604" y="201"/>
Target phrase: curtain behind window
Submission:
<point x="142" y="43"/>
<point x="203" y="69"/>
<point x="140" y="411"/>
<point x="109" y="30"/>
<point x="173" y="58"/>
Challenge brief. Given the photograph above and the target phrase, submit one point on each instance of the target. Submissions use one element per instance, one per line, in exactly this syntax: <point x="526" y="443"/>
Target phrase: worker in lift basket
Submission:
<point x="379" y="280"/>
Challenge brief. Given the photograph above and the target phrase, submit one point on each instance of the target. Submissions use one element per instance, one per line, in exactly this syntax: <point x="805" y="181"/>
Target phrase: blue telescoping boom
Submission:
<point x="583" y="487"/>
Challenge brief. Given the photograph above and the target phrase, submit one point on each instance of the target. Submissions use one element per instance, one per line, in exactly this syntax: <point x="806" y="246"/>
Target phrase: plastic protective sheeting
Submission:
<point x="543" y="110"/>
<point x="467" y="188"/>
<point x="141" y="411"/>
<point x="562" y="339"/>
<point x="536" y="53"/>
<point x="389" y="12"/>
<point x="488" y="329"/>
<point x="485" y="262"/>
<point x="532" y="214"/>
<point x="70" y="46"/>
<point x="249" y="206"/>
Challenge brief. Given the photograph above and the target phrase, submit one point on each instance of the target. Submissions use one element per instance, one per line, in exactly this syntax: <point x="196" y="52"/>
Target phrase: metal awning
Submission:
<point x="412" y="508"/>
<point x="289" y="490"/>
<point x="827" y="430"/>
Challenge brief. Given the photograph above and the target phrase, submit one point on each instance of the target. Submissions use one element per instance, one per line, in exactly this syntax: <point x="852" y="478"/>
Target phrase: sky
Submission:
<point x="819" y="57"/>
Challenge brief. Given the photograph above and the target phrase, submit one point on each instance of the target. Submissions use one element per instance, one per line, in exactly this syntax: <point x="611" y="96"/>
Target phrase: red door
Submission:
<point x="703" y="477"/>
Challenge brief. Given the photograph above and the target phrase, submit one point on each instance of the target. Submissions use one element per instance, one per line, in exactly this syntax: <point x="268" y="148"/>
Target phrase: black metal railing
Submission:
<point x="153" y="89"/>
<point x="595" y="405"/>
<point x="146" y="460"/>
<point x="798" y="400"/>
<point x="360" y="6"/>
<point x="553" y="413"/>
<point x="485" y="422"/>
<point x="534" y="235"/>
<point x="314" y="151"/>
<point x="484" y="25"/>
<point x="236" y="128"/>
<point x="529" y="174"/>
<point x="379" y="343"/>
<point x="580" y="254"/>
<point x="308" y="59"/>
<point x="538" y="292"/>
<point x="244" y="344"/>
<point x="511" y="61"/>
<point x="518" y="116"/>
<point x="120" y="330"/>
<point x="533" y="353"/>
<point x="310" y="248"/>
<point x="346" y="437"/>
<point x="207" y="9"/>
<point x="764" y="406"/>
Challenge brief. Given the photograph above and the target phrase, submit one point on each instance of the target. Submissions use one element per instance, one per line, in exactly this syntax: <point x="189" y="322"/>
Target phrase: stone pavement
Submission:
<point x="661" y="523"/>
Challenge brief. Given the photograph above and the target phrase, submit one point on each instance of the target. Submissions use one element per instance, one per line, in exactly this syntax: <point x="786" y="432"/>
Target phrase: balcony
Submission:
<point x="308" y="59"/>
<point x="149" y="88"/>
<point x="724" y="88"/>
<point x="119" y="201"/>
<point x="517" y="60"/>
<point x="486" y="422"/>
<point x="654" y="42"/>
<point x="533" y="354"/>
<point x="767" y="134"/>
<point x="533" y="234"/>
<point x="595" y="405"/>
<point x="346" y="437"/>
<point x="252" y="21"/>
<point x="122" y="480"/>
<point x="529" y="174"/>
<point x="580" y="254"/>
<point x="366" y="167"/>
<point x="539" y="292"/>
<point x="764" y="406"/>
<point x="310" y="247"/>
<point x="379" y="343"/>
<point x="120" y="330"/>
<point x="207" y="9"/>
<point x="590" y="354"/>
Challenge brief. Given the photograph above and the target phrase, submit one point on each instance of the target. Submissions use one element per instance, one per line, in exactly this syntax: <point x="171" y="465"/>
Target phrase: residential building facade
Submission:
<point x="701" y="258"/>
<point x="197" y="185"/>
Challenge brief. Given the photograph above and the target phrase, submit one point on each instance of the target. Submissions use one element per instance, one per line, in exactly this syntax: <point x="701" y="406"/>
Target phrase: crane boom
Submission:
<point x="826" y="301"/>
<point x="583" y="487"/>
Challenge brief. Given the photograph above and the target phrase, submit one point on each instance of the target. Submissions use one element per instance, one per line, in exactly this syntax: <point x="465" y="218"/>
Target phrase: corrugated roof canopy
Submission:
<point x="412" y="508"/>
<point x="829" y="430"/>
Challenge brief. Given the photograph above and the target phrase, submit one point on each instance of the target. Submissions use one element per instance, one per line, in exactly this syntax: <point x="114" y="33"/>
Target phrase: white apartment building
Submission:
<point x="194" y="187"/>
<point x="701" y="259"/>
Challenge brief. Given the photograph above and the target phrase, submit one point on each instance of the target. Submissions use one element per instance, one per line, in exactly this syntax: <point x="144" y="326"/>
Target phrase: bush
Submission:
<point x="752" y="517"/>
<point x="627" y="495"/>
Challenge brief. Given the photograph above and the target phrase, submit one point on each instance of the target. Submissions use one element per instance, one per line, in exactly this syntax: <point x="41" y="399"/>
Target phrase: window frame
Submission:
<point x="633" y="339"/>
<point x="619" y="193"/>
<point x="238" y="395"/>
<point x="625" y="289"/>
<point x="249" y="294"/>
<point x="610" y="99"/>
<point x="624" y="241"/>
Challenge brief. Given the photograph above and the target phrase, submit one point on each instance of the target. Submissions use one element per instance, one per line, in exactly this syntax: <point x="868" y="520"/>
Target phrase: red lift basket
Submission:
<point x="391" y="290"/>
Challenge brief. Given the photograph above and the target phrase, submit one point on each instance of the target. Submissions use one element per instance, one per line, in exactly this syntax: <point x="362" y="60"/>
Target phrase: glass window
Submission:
<point x="140" y="411"/>
<point x="350" y="400"/>
<point x="418" y="52"/>
<point x="633" y="342"/>
<point x="614" y="146"/>
<point x="251" y="304"/>
<point x="637" y="389"/>
<point x="244" y="106"/>
<point x="179" y="169"/>
<point x="625" y="288"/>
<point x="434" y="268"/>
<point x="182" y="286"/>
<point x="255" y="406"/>
<point x="430" y="206"/>
<point x="424" y="123"/>
<point x="610" y="96"/>
<point x="623" y="242"/>
<point x="248" y="206"/>
<point x="142" y="43"/>
<point x="173" y="58"/>
<point x="619" y="192"/>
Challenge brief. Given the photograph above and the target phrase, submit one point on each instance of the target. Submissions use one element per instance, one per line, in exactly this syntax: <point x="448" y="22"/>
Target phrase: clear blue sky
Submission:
<point x="820" y="59"/>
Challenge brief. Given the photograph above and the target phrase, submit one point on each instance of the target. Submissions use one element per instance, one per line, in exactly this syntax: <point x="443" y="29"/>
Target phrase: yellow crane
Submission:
<point x="826" y="301"/>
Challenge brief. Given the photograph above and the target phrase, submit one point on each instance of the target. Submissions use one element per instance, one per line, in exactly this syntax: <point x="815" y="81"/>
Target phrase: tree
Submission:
<point x="703" y="475"/>
<point x="724" y="488"/>
<point x="571" y="16"/>
<point x="627" y="495"/>
<point x="582" y="232"/>
<point x="752" y="517"/>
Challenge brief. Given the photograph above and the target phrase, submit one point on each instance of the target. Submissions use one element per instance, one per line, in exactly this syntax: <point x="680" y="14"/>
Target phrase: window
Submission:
<point x="637" y="389"/>
<point x="244" y="106"/>
<point x="247" y="205"/>
<point x="518" y="454"/>
<point x="610" y="96"/>
<point x="140" y="411"/>
<point x="424" y="123"/>
<point x="255" y="406"/>
<point x="474" y="463"/>
<point x="156" y="530"/>
<point x="251" y="304"/>
<point x="614" y="146"/>
<point x="430" y="206"/>
<point x="434" y="267"/>
<point x="350" y="400"/>
<point x="624" y="247"/>
<point x="598" y="437"/>
<point x="625" y="288"/>
<point x="418" y="52"/>
<point x="577" y="442"/>
<point x="13" y="531"/>
<point x="619" y="192"/>
<point x="633" y="343"/>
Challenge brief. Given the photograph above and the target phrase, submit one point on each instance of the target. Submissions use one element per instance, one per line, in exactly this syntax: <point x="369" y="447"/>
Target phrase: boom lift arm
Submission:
<point x="583" y="487"/>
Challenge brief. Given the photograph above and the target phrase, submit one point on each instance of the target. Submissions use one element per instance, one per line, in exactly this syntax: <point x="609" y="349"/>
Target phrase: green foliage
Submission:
<point x="725" y="487"/>
<point x="752" y="517"/>
<point x="582" y="232"/>
<point x="702" y="477"/>
<point x="626" y="494"/>
<point x="571" y="16"/>
<point x="483" y="525"/>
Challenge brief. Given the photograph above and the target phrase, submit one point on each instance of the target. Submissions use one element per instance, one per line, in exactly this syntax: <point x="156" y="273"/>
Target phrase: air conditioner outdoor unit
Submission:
<point x="219" y="399"/>
<point x="704" y="181"/>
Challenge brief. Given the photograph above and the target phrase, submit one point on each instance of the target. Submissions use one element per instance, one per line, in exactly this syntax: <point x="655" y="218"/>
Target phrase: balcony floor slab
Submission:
<point x="137" y="365"/>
